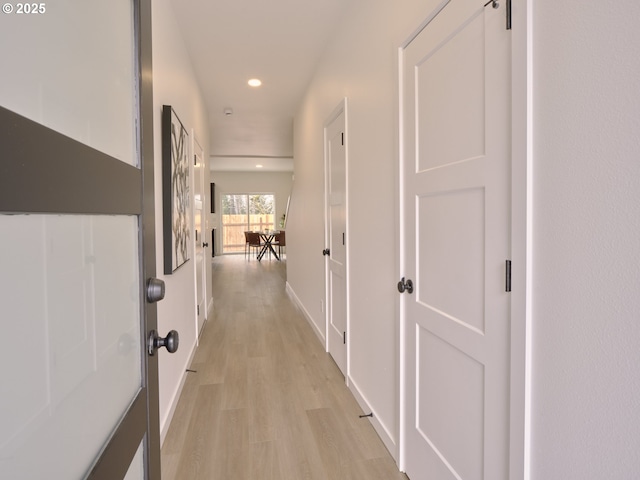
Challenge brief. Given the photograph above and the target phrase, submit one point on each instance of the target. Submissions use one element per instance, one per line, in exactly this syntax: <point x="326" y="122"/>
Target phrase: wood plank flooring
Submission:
<point x="267" y="403"/>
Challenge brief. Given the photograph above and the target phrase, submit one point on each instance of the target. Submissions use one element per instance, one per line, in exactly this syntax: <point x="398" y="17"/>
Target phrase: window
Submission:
<point x="245" y="212"/>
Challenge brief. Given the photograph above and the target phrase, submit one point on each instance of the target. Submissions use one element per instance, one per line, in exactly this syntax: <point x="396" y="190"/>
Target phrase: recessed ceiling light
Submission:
<point x="254" y="82"/>
<point x="258" y="166"/>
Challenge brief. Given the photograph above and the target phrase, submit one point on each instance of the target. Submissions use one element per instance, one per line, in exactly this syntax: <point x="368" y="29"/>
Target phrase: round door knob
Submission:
<point x="155" y="290"/>
<point x="405" y="285"/>
<point x="170" y="342"/>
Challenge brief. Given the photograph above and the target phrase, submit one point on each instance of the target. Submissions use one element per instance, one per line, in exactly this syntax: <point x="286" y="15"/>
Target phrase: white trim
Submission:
<point x="521" y="240"/>
<point x="380" y="428"/>
<point x="325" y="213"/>
<point x="341" y="108"/>
<point x="195" y="146"/>
<point x="305" y="313"/>
<point x="348" y="237"/>
<point x="166" y="424"/>
<point x="400" y="226"/>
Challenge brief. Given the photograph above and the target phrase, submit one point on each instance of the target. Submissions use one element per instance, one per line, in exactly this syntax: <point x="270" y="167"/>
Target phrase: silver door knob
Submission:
<point x="170" y="342"/>
<point x="155" y="290"/>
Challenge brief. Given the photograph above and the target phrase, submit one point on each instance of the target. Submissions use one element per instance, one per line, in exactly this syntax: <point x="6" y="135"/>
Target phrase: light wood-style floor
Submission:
<point x="267" y="403"/>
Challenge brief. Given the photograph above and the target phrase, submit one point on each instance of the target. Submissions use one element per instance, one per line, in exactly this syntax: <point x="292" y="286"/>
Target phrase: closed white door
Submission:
<point x="200" y="233"/>
<point x="336" y="252"/>
<point x="79" y="393"/>
<point x="456" y="213"/>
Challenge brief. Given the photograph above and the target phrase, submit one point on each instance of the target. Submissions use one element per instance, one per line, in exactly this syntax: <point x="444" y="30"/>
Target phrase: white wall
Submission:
<point x="586" y="253"/>
<point x="174" y="84"/>
<point x="279" y="183"/>
<point x="360" y="64"/>
<point x="586" y="291"/>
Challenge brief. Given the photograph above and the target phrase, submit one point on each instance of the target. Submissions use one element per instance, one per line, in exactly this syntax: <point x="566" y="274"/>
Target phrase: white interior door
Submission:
<point x="79" y="393"/>
<point x="335" y="150"/>
<point x="200" y="235"/>
<point x="456" y="202"/>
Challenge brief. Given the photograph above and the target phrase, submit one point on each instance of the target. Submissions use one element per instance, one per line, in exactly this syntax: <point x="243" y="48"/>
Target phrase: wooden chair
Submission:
<point x="253" y="240"/>
<point x="281" y="241"/>
<point x="247" y="248"/>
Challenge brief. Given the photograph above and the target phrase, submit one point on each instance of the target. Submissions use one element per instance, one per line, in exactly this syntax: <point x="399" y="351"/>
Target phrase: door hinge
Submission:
<point x="343" y="238"/>
<point x="195" y="160"/>
<point x="343" y="139"/>
<point x="198" y="309"/>
<point x="344" y="337"/>
<point x="507" y="286"/>
<point x="496" y="4"/>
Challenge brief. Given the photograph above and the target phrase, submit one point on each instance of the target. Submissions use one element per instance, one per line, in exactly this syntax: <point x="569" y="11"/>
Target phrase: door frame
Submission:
<point x="141" y="421"/>
<point x="341" y="108"/>
<point x="152" y="455"/>
<point x="521" y="240"/>
<point x="197" y="150"/>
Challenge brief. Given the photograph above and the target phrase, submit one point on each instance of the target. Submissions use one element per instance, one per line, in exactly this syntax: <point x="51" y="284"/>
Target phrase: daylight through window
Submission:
<point x="245" y="212"/>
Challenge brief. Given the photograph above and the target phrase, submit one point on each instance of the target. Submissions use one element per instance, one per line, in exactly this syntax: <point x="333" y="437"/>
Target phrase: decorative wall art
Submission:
<point x="175" y="190"/>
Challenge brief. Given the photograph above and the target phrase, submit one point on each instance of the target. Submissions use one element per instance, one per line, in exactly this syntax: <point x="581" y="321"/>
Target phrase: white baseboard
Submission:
<point x="382" y="431"/>
<point x="164" y="428"/>
<point x="378" y="426"/>
<point x="306" y="314"/>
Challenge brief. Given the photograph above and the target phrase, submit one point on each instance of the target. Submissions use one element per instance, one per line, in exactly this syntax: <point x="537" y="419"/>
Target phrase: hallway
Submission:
<point x="265" y="401"/>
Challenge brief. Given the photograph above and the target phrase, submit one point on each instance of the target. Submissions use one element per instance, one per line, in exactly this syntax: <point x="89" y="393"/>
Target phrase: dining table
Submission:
<point x="267" y="237"/>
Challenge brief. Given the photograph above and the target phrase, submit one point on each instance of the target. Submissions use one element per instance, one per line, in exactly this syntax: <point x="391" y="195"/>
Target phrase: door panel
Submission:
<point x="452" y="253"/>
<point x="337" y="316"/>
<point x="456" y="199"/>
<point x="337" y="225"/>
<point x="450" y="80"/>
<point x="449" y="417"/>
<point x="201" y="233"/>
<point x="86" y="320"/>
<point x="81" y="389"/>
<point x="75" y="72"/>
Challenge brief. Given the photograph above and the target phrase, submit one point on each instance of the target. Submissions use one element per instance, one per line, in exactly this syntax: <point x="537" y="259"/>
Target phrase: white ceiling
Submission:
<point x="277" y="41"/>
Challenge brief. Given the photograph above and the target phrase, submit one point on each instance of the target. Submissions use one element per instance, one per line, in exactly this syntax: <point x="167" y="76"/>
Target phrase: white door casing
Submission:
<point x="456" y="214"/>
<point x="200" y="234"/>
<point x="336" y="233"/>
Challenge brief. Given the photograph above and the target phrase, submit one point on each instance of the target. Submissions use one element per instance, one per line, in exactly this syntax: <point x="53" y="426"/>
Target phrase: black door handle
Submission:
<point x="326" y="251"/>
<point x="205" y="245"/>
<point x="405" y="285"/>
